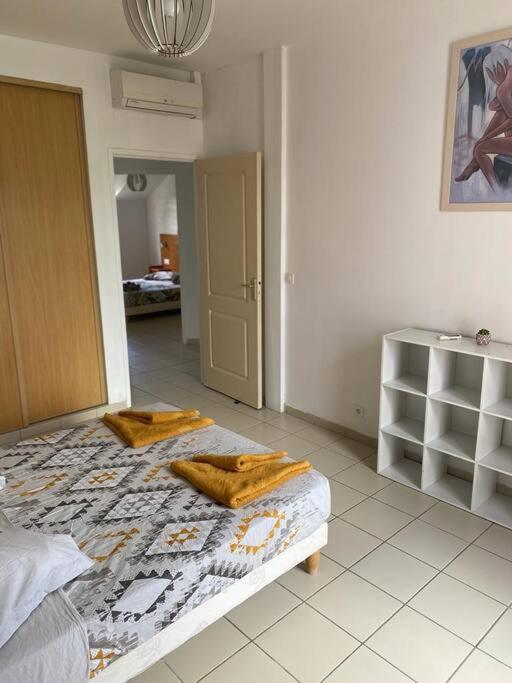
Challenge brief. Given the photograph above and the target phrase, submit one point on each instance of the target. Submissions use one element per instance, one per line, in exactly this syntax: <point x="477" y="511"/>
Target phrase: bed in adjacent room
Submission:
<point x="151" y="294"/>
<point x="168" y="560"/>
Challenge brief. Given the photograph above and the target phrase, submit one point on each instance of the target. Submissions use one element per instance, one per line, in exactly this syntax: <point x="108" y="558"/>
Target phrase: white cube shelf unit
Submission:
<point x="446" y="420"/>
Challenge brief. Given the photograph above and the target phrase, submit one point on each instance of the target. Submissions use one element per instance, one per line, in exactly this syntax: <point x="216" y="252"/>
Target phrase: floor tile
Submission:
<point x="262" y="609"/>
<point x="429" y="544"/>
<point x="364" y="666"/>
<point x="237" y="423"/>
<point x="263" y="433"/>
<point x="158" y="673"/>
<point x="329" y="462"/>
<point x="362" y="479"/>
<point x="263" y="414"/>
<point x="199" y="655"/>
<point x="343" y="498"/>
<point x="498" y="540"/>
<point x="182" y="398"/>
<point x="497" y="642"/>
<point x="251" y="665"/>
<point x="355" y="605"/>
<point x="353" y="449"/>
<point x="376" y="518"/>
<point x="480" y="668"/>
<point x="405" y="499"/>
<point x="347" y="544"/>
<point x="459" y="608"/>
<point x="216" y="411"/>
<point x="318" y="435"/>
<point x="141" y="398"/>
<point x="298" y="581"/>
<point x="484" y="571"/>
<point x="418" y="647"/>
<point x="297" y="448"/>
<point x="289" y="423"/>
<point x="307" y="644"/>
<point x="394" y="572"/>
<point x="455" y="521"/>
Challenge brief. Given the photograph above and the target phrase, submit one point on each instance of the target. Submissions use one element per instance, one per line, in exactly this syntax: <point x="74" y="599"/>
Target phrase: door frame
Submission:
<point x="273" y="356"/>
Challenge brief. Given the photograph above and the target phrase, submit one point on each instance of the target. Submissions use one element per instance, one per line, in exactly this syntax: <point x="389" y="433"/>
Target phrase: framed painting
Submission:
<point x="477" y="174"/>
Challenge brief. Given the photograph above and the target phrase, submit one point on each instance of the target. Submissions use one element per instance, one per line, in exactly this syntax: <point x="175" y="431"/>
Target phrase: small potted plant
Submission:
<point x="483" y="337"/>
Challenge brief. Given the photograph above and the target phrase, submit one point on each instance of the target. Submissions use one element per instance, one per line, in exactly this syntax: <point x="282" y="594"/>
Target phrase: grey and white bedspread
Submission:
<point x="161" y="547"/>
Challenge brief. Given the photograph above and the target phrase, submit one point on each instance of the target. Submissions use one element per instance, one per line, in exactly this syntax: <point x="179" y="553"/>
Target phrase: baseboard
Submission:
<point x="192" y="341"/>
<point x="332" y="426"/>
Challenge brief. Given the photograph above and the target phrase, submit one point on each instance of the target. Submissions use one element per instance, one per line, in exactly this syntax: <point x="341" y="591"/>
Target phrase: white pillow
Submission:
<point x="31" y="566"/>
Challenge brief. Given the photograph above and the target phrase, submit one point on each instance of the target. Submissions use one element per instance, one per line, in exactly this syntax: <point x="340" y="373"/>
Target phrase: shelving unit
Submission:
<point x="446" y="420"/>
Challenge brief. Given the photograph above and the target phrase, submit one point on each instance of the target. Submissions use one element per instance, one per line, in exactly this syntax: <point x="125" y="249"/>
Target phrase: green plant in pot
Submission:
<point x="483" y="337"/>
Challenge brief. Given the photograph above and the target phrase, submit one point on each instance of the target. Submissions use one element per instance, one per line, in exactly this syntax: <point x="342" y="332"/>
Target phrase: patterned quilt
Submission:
<point x="152" y="292"/>
<point x="161" y="547"/>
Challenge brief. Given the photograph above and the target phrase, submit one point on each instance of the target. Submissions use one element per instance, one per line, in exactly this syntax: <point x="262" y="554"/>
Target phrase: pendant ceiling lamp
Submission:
<point x="137" y="182"/>
<point x="171" y="28"/>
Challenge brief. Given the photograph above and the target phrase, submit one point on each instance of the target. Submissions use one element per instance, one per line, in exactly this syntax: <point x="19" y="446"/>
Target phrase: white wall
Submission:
<point x="106" y="129"/>
<point x="162" y="215"/>
<point x="367" y="242"/>
<point x="233" y="121"/>
<point x="133" y="237"/>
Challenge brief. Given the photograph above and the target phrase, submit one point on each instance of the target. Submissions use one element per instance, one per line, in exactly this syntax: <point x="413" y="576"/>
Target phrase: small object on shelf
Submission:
<point x="483" y="337"/>
<point x="449" y="337"/>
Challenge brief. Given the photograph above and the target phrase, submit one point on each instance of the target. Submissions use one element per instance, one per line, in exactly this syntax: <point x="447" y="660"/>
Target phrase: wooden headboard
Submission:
<point x="169" y="251"/>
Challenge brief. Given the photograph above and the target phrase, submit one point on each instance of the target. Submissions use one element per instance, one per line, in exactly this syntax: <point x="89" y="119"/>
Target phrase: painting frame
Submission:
<point x="455" y="50"/>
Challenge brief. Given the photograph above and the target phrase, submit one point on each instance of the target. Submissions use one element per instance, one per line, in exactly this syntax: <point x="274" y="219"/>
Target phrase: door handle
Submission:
<point x="255" y="287"/>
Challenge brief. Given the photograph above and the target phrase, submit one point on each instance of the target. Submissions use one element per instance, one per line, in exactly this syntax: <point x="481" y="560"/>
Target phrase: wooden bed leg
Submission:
<point x="313" y="563"/>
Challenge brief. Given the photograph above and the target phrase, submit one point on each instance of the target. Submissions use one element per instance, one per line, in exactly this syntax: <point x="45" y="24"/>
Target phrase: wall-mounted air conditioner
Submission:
<point x="158" y="95"/>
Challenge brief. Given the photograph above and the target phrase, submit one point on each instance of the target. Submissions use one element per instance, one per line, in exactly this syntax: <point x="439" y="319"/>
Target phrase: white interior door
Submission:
<point x="229" y="228"/>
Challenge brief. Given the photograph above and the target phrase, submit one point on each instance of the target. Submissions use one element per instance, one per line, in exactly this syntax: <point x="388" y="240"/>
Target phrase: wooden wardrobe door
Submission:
<point x="45" y="220"/>
<point x="11" y="416"/>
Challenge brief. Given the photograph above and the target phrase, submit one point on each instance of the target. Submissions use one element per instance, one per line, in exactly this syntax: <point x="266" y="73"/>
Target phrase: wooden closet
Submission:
<point x="51" y="357"/>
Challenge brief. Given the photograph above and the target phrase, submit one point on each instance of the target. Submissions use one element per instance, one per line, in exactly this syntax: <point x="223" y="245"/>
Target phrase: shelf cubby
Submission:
<point x="405" y="367"/>
<point x="494" y="449"/>
<point x="456" y="378"/>
<point x="497" y="388"/>
<point x="400" y="460"/>
<point x="447" y="478"/>
<point x="445" y="424"/>
<point x="451" y="429"/>
<point x="403" y="414"/>
<point x="492" y="496"/>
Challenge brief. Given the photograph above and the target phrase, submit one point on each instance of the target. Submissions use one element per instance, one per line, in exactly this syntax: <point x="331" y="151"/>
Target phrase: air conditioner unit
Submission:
<point x="158" y="95"/>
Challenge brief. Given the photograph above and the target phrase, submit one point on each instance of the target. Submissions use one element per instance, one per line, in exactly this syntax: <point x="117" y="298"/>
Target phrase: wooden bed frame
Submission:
<point x="145" y="655"/>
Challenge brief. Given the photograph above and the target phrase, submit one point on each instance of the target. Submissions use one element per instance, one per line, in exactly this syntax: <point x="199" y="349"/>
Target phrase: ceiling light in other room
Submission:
<point x="171" y="28"/>
<point x="137" y="182"/>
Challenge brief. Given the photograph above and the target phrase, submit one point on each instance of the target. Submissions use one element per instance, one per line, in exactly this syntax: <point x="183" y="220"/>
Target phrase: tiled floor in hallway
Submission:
<point x="409" y="588"/>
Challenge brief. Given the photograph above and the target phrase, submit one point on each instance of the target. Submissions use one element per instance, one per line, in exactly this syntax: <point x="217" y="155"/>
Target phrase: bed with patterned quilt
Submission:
<point x="142" y="296"/>
<point x="168" y="559"/>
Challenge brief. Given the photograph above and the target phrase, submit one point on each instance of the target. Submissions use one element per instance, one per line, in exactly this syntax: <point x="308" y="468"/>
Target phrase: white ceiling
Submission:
<point x="124" y="192"/>
<point x="241" y="28"/>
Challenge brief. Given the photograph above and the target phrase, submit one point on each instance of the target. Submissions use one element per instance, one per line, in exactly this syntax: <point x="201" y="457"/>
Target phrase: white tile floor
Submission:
<point x="409" y="588"/>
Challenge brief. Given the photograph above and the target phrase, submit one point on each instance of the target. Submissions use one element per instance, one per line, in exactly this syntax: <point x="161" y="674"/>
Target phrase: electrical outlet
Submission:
<point x="358" y="411"/>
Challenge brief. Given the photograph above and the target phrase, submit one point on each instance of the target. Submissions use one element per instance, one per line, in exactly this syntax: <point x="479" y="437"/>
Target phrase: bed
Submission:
<point x="168" y="559"/>
<point x="143" y="296"/>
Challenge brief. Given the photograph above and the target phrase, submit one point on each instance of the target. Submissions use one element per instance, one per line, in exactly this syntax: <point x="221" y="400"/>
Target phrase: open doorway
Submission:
<point x="157" y="235"/>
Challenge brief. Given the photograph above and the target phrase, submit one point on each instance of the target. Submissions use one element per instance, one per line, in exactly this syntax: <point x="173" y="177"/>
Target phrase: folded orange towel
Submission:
<point x="157" y="417"/>
<point x="137" y="434"/>
<point x="235" y="489"/>
<point x="240" y="463"/>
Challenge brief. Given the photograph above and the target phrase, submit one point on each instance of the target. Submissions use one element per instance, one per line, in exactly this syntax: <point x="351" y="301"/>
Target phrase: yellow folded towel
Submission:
<point x="137" y="434"/>
<point x="157" y="417"/>
<point x="235" y="489"/>
<point x="240" y="463"/>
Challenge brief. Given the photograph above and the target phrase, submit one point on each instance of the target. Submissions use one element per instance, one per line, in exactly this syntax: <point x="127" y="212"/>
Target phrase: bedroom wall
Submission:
<point x="106" y="129"/>
<point x="162" y="215"/>
<point x="370" y="249"/>
<point x="133" y="237"/>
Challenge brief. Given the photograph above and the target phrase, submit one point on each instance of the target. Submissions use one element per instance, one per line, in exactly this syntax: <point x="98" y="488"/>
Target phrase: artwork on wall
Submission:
<point x="478" y="143"/>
